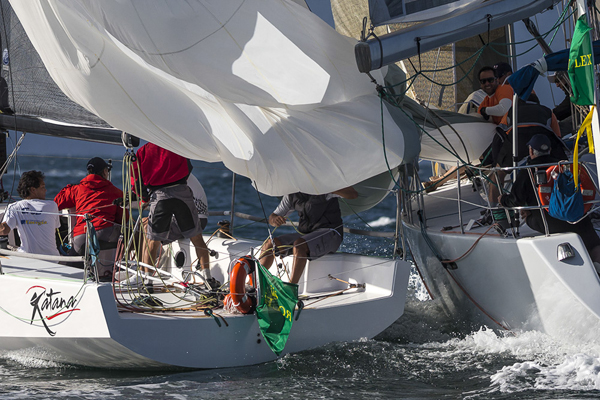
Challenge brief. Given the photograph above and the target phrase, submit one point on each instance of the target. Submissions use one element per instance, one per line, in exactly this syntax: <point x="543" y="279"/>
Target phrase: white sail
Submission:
<point x="264" y="86"/>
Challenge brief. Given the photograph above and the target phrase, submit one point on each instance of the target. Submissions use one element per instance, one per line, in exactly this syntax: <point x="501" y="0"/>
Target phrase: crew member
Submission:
<point x="499" y="93"/>
<point x="35" y="218"/>
<point x="94" y="195"/>
<point x="320" y="226"/>
<point x="173" y="214"/>
<point x="523" y="193"/>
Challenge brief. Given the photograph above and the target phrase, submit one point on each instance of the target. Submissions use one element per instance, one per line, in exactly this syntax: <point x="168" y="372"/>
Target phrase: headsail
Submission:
<point x="263" y="85"/>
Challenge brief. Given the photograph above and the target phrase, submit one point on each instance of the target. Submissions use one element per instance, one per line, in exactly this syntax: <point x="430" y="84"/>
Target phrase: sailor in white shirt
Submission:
<point x="35" y="218"/>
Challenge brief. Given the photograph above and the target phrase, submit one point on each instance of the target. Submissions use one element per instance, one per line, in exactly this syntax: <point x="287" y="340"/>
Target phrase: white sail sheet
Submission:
<point x="264" y="86"/>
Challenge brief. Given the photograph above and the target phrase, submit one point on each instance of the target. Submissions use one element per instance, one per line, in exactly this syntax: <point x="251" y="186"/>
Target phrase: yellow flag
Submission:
<point x="585" y="126"/>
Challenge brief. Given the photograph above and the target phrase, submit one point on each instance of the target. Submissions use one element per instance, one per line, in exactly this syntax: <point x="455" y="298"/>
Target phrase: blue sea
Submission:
<point x="423" y="355"/>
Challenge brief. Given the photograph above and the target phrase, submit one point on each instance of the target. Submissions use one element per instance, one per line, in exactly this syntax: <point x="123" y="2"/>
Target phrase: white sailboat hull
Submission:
<point x="39" y="319"/>
<point x="507" y="283"/>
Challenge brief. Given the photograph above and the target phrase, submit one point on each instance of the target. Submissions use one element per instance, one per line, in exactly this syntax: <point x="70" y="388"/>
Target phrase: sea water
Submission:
<point x="423" y="355"/>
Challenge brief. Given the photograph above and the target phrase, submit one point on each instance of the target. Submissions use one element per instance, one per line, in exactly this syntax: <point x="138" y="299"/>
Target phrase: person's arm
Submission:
<point x="347" y="193"/>
<point x="4" y="229"/>
<point x="499" y="110"/>
<point x="518" y="195"/>
<point x="276" y="220"/>
<point x="64" y="198"/>
<point x="277" y="217"/>
<point x="563" y="110"/>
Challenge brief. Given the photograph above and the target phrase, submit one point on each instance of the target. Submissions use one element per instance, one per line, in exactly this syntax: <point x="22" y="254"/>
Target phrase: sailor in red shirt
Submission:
<point x="173" y="214"/>
<point x="94" y="195"/>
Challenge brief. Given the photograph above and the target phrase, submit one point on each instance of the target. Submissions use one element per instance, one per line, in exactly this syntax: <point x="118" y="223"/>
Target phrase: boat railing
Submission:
<point x="288" y="223"/>
<point x="484" y="174"/>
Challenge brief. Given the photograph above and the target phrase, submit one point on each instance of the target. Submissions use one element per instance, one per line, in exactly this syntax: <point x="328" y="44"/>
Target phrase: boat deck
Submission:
<point x="442" y="212"/>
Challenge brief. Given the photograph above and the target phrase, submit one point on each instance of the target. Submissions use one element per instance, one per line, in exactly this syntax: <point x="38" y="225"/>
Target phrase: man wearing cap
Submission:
<point x="523" y="193"/>
<point x="94" y="195"/>
<point x="499" y="94"/>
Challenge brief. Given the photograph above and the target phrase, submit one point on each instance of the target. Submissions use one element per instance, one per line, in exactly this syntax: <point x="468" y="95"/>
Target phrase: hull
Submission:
<point x="513" y="284"/>
<point x="49" y="313"/>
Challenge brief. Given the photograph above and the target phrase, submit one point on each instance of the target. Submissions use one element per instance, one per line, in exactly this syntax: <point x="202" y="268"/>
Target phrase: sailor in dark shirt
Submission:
<point x="524" y="193"/>
<point x="320" y="226"/>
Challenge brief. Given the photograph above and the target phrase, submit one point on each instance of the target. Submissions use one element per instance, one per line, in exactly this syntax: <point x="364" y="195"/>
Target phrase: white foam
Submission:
<point x="545" y="363"/>
<point x="382" y="221"/>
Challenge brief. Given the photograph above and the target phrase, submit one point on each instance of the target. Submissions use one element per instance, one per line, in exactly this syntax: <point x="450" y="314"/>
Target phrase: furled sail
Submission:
<point x="264" y="86"/>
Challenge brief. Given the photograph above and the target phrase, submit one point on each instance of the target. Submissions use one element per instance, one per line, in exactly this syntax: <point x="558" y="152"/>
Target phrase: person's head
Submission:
<point x="32" y="185"/>
<point x="487" y="80"/>
<point x="98" y="166"/>
<point x="539" y="145"/>
<point x="502" y="70"/>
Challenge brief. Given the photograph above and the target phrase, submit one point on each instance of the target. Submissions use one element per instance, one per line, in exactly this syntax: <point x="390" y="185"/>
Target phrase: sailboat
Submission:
<point x="505" y="277"/>
<point x="267" y="88"/>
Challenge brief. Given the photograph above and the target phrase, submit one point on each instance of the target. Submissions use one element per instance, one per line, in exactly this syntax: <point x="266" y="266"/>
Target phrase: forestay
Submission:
<point x="263" y="85"/>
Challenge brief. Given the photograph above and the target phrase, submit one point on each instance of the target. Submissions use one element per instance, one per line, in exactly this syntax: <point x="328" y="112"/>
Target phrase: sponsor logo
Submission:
<point x="48" y="304"/>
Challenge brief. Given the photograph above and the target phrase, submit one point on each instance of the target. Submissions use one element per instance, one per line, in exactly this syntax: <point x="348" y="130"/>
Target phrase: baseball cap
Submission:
<point x="96" y="165"/>
<point x="539" y="142"/>
<point x="501" y="69"/>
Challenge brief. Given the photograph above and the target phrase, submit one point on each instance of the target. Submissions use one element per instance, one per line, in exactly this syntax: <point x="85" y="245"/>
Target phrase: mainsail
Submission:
<point x="32" y="94"/>
<point x="264" y="86"/>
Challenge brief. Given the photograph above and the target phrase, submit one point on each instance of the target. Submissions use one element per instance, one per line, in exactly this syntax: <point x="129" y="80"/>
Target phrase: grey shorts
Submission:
<point x="320" y="242"/>
<point x="107" y="238"/>
<point x="173" y="214"/>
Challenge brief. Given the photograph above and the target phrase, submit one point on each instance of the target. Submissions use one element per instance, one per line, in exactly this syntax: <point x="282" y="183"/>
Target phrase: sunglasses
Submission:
<point x="486" y="80"/>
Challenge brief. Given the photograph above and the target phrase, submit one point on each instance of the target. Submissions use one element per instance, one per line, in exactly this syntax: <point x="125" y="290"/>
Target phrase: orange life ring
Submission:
<point x="237" y="296"/>
<point x="588" y="190"/>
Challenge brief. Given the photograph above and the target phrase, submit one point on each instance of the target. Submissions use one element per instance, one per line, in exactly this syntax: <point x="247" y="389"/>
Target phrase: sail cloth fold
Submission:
<point x="523" y="80"/>
<point x="264" y="86"/>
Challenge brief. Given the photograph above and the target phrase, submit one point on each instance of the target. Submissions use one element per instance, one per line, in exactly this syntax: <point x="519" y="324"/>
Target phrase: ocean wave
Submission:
<point x="382" y="221"/>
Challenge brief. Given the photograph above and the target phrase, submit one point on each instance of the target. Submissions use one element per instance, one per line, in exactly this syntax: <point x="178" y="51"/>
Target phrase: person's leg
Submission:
<point x="496" y="187"/>
<point x="201" y="251"/>
<point x="267" y="256"/>
<point x="283" y="245"/>
<point x="150" y="256"/>
<point x="300" y="257"/>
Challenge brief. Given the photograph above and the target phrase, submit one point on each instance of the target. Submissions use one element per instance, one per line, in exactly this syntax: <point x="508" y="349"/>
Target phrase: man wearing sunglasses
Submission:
<point x="499" y="94"/>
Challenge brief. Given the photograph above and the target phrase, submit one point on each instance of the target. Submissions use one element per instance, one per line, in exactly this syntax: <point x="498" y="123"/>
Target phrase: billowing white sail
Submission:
<point x="263" y="85"/>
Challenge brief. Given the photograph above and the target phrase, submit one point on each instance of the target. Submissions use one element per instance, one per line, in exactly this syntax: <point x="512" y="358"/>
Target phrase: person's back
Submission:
<point x="94" y="195"/>
<point x="35" y="218"/>
<point x="35" y="221"/>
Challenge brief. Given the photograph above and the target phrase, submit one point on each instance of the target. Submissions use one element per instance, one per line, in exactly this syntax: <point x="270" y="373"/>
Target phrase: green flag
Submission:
<point x="581" y="64"/>
<point x="275" y="308"/>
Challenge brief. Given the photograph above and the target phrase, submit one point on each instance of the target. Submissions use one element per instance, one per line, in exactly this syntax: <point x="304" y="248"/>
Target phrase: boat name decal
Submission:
<point x="46" y="300"/>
